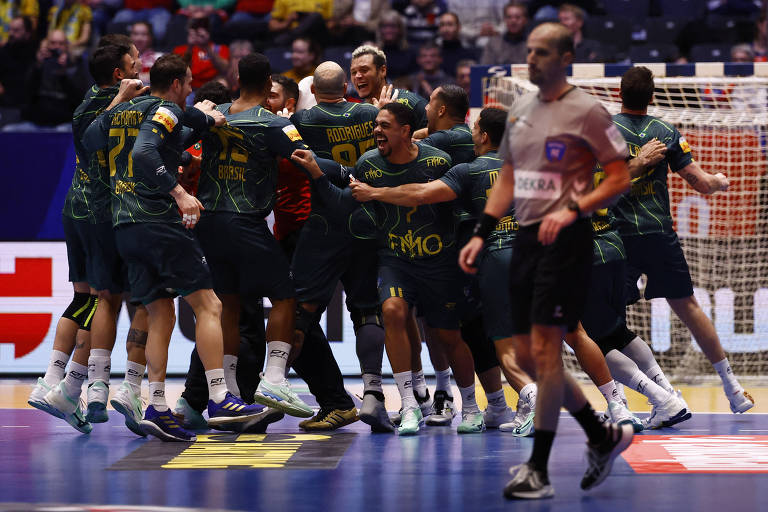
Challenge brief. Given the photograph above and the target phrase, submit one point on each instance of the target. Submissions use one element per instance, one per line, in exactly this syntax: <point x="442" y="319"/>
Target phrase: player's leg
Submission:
<point x="230" y="329"/>
<point x="507" y="353"/>
<point x="639" y="352"/>
<point x="100" y="360"/>
<point x="127" y="399"/>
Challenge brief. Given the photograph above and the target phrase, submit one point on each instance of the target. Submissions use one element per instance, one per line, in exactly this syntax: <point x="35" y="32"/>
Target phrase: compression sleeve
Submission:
<point x="147" y="160"/>
<point x="96" y="135"/>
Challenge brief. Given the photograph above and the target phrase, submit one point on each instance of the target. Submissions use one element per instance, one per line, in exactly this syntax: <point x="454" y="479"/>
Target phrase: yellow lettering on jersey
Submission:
<point x="418" y="246"/>
<point x="82" y="176"/>
<point x="346" y="133"/>
<point x="507" y="224"/>
<point x="493" y="176"/>
<point x="124" y="186"/>
<point x="372" y="174"/>
<point x="642" y="188"/>
<point x="232" y="172"/>
<point x="128" y="118"/>
<point x="435" y="161"/>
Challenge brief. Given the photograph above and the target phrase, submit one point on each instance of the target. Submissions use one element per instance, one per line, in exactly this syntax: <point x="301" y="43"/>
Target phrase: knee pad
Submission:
<point x="81" y="309"/>
<point x="365" y="316"/>
<point x="482" y="348"/>
<point x="304" y="320"/>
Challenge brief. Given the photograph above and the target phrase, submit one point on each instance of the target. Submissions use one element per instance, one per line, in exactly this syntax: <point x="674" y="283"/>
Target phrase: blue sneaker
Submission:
<point x="231" y="410"/>
<point x="164" y="426"/>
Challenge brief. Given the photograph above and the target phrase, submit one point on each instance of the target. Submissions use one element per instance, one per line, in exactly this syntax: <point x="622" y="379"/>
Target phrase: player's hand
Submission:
<point x="652" y="153"/>
<point x="721" y="182"/>
<point x="131" y="88"/>
<point x="361" y="191"/>
<point x="283" y="113"/>
<point x="469" y="253"/>
<point x="552" y="224"/>
<point x="421" y="133"/>
<point x="205" y="106"/>
<point x="189" y="206"/>
<point x="218" y="118"/>
<point x="304" y="158"/>
<point x="388" y="95"/>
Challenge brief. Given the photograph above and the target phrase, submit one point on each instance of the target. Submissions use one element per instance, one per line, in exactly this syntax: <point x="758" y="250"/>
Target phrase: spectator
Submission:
<point x="430" y="75"/>
<point x="238" y="49"/>
<point x="156" y="12"/>
<point x="452" y="48"/>
<point x="480" y="19"/>
<point x="390" y="38"/>
<point x="299" y="18"/>
<point x="421" y="20"/>
<point x="143" y="39"/>
<point x="214" y="10"/>
<point x="760" y="43"/>
<point x="103" y="11"/>
<point x="251" y="17"/>
<point x="206" y="60"/>
<point x="73" y="18"/>
<point x="463" y="74"/>
<point x="16" y="55"/>
<point x="548" y="9"/>
<point x="10" y="9"/>
<point x="742" y="53"/>
<point x="587" y="50"/>
<point x="354" y="22"/>
<point x="305" y="56"/>
<point x="509" y="48"/>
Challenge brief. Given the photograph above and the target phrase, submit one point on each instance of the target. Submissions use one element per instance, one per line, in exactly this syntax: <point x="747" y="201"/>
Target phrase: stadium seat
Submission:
<point x="711" y="52"/>
<point x="663" y="30"/>
<point x="341" y="55"/>
<point x="730" y="29"/>
<point x="653" y="52"/>
<point x="279" y="57"/>
<point x="613" y="30"/>
<point x="682" y="9"/>
<point x="635" y="9"/>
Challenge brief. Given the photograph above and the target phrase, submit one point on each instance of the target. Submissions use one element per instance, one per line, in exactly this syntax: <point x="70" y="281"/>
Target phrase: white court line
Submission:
<point x="14" y="426"/>
<point x="753" y="430"/>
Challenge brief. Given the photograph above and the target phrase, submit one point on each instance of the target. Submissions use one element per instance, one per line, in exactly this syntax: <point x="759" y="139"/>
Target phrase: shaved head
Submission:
<point x="329" y="79"/>
<point x="557" y="35"/>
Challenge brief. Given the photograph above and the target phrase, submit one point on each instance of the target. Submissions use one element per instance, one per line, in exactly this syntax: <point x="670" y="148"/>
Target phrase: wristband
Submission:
<point x="485" y="226"/>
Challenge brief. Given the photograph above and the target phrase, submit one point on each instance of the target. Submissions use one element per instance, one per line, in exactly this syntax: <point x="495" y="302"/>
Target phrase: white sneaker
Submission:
<point x="67" y="408"/>
<point x="620" y="415"/>
<point x="37" y="396"/>
<point x="442" y="410"/>
<point x="374" y="413"/>
<point x="741" y="402"/>
<point x="495" y="417"/>
<point x="522" y="424"/>
<point x="670" y="412"/>
<point x="98" y="394"/>
<point x="128" y="403"/>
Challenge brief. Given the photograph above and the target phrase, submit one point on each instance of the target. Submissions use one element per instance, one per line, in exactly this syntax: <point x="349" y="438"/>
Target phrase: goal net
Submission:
<point x="724" y="236"/>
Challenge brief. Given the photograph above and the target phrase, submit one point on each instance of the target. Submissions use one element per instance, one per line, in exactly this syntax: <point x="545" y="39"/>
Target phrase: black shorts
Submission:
<point x="660" y="257"/>
<point x="77" y="237"/>
<point x="605" y="313"/>
<point x="548" y="284"/>
<point x="244" y="256"/>
<point x="108" y="269"/>
<point x="163" y="260"/>
<point x="325" y="257"/>
<point x="435" y="286"/>
<point x="493" y="273"/>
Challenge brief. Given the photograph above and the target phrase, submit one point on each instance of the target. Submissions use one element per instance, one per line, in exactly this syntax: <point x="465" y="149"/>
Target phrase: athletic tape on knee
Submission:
<point x="79" y="308"/>
<point x="365" y="316"/>
<point x="482" y="348"/>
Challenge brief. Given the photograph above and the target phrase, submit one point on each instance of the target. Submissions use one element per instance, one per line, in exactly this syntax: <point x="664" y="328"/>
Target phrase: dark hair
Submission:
<point x="165" y="70"/>
<point x="430" y="45"/>
<point x="402" y="114"/>
<point x="214" y="91"/>
<point x="492" y="121"/>
<point x="313" y="47"/>
<point x="114" y="40"/>
<point x="637" y="88"/>
<point x="515" y="3"/>
<point x="455" y="99"/>
<point x="455" y="17"/>
<point x="29" y="24"/>
<point x="199" y="22"/>
<point x="149" y="28"/>
<point x="103" y="62"/>
<point x="290" y="87"/>
<point x="254" y="70"/>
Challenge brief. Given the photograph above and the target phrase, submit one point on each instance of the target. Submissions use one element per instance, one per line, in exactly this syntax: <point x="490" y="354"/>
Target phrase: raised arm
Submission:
<point x="702" y="181"/>
<point x="330" y="193"/>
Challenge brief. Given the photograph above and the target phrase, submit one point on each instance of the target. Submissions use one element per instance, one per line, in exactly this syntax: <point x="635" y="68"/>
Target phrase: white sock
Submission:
<point x="657" y="375"/>
<point x="372" y="382"/>
<point x="230" y="374"/>
<point x="620" y="390"/>
<point x="468" y="402"/>
<point x="730" y="384"/>
<point x="404" y="381"/>
<point x="73" y="382"/>
<point x="528" y="394"/>
<point x="99" y="365"/>
<point x="496" y="399"/>
<point x="443" y="381"/>
<point x="217" y="385"/>
<point x="277" y="358"/>
<point x="56" y="368"/>
<point x="645" y="386"/>
<point x="157" y="396"/>
<point x="419" y="384"/>
<point x="610" y="392"/>
<point x="134" y="373"/>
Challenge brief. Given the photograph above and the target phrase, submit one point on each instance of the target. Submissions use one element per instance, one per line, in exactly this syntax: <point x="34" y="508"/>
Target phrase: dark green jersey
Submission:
<point x="239" y="168"/>
<point x="645" y="208"/>
<point x="340" y="132"/>
<point x="416" y="103"/>
<point x="91" y="192"/>
<point x="472" y="183"/>
<point x="457" y="142"/>
<point x="607" y="242"/>
<point x="417" y="232"/>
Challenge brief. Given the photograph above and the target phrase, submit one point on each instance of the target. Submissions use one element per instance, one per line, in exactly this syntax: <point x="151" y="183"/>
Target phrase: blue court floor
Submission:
<point x="715" y="462"/>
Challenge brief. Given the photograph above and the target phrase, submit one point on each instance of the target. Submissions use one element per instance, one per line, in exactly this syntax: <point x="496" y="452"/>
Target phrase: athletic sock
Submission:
<point x="404" y="381"/>
<point x="372" y="382"/>
<point x="157" y="396"/>
<point x="217" y="385"/>
<point x="56" y="368"/>
<point x="230" y="374"/>
<point x="468" y="402"/>
<point x="277" y="358"/>
<point x="610" y="392"/>
<point x="99" y="365"/>
<point x="73" y="382"/>
<point x="134" y="373"/>
<point x="656" y="374"/>
<point x="645" y="386"/>
<point x="592" y="426"/>
<point x="542" y="445"/>
<point x="730" y="384"/>
<point x="443" y="380"/>
<point x="496" y="399"/>
<point x="419" y="384"/>
<point x="528" y="394"/>
<point x="620" y="390"/>
<point x="639" y="352"/>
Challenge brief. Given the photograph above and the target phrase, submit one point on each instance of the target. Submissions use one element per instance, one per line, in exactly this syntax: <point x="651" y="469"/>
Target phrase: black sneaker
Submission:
<point x="527" y="484"/>
<point x="442" y="411"/>
<point x="600" y="457"/>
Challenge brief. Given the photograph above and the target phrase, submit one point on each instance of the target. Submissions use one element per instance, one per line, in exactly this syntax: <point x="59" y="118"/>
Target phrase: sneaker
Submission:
<point x="619" y="414"/>
<point x="62" y="406"/>
<point x="128" y="403"/>
<point x="472" y="422"/>
<point x="425" y="404"/>
<point x="330" y="419"/>
<point x="37" y="397"/>
<point x="442" y="411"/>
<point x="231" y="410"/>
<point x="188" y="416"/>
<point x="527" y="484"/>
<point x="98" y="393"/>
<point x="411" y="421"/>
<point x="280" y="396"/>
<point x="741" y="402"/>
<point x="163" y="425"/>
<point x="258" y="424"/>
<point x="600" y="457"/>
<point x="670" y="412"/>
<point x="522" y="425"/>
<point x="495" y="417"/>
<point x="374" y="413"/>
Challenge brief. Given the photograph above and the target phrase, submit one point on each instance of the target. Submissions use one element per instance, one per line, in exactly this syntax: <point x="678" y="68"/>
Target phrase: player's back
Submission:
<point x="457" y="142"/>
<point x="416" y="103"/>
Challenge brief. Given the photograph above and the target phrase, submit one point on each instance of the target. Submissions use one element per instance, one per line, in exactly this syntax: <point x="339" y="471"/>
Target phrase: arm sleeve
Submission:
<point x="330" y="193"/>
<point x="147" y="160"/>
<point x="678" y="152"/>
<point x="196" y="119"/>
<point x="604" y="139"/>
<point x="96" y="135"/>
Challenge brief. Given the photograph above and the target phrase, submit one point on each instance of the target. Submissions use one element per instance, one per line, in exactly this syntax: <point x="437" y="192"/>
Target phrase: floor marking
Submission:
<point x="14" y="426"/>
<point x="753" y="430"/>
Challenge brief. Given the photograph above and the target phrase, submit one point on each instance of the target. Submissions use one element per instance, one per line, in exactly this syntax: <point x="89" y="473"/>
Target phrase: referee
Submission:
<point x="553" y="139"/>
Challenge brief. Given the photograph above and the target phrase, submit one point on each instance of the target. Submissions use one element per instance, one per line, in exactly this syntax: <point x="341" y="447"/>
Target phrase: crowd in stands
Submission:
<point x="44" y="44"/>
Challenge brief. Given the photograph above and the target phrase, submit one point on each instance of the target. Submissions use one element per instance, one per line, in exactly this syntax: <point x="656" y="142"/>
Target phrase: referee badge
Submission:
<point x="555" y="150"/>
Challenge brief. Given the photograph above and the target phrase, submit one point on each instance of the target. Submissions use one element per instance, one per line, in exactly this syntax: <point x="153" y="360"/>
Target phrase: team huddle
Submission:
<point x="493" y="243"/>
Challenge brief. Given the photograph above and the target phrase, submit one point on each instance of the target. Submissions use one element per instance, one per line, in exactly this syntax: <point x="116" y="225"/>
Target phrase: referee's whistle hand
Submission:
<point x="469" y="253"/>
